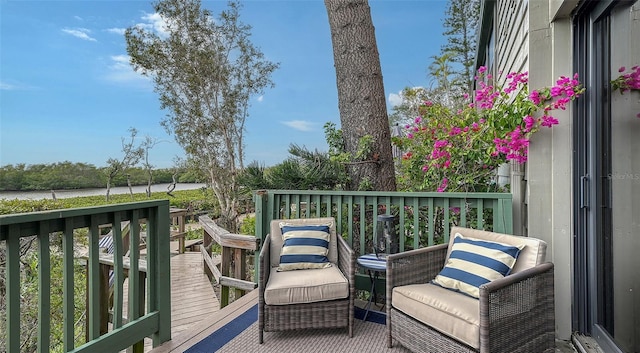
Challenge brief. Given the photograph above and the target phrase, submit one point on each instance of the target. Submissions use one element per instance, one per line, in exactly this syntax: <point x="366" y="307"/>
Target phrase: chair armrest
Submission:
<point x="265" y="264"/>
<point x="517" y="311"/>
<point x="346" y="260"/>
<point x="415" y="266"/>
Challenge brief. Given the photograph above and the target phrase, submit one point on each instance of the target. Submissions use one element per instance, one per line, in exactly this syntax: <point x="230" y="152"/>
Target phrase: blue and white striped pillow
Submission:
<point x="474" y="262"/>
<point x="304" y="247"/>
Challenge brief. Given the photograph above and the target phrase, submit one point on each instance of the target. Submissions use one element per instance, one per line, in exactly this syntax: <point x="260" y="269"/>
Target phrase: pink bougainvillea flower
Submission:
<point x="534" y="96"/>
<point x="529" y="121"/>
<point x="440" y="143"/>
<point x="494" y="125"/>
<point x="548" y="121"/>
<point x="622" y="69"/>
<point x="443" y="185"/>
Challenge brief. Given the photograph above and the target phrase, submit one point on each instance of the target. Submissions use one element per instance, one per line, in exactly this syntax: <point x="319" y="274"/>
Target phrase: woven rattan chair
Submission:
<point x="305" y="298"/>
<point x="513" y="314"/>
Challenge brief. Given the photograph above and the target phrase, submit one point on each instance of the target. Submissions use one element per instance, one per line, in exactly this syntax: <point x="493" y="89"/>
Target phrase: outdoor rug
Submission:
<point x="241" y="335"/>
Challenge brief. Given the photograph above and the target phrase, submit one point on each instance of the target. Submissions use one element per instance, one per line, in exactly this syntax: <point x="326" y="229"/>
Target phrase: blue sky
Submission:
<point x="67" y="92"/>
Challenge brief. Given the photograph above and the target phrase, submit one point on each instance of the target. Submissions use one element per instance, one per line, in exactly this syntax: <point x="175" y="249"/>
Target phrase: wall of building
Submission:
<point x="536" y="36"/>
<point x="512" y="55"/>
<point x="548" y="171"/>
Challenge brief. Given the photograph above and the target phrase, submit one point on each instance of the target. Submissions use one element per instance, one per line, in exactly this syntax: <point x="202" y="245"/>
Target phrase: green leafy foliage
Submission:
<point x="459" y="150"/>
<point x="70" y="176"/>
<point x="303" y="170"/>
<point x="248" y="226"/>
<point x="197" y="200"/>
<point x="205" y="72"/>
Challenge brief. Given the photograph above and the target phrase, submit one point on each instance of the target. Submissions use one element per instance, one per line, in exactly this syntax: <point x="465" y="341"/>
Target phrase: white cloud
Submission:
<point x="7" y="86"/>
<point x="81" y="33"/>
<point x="398" y="98"/>
<point x="13" y="85"/>
<point x="116" y="30"/>
<point x="78" y="18"/>
<point x="395" y="98"/>
<point x="155" y="22"/>
<point x="121" y="71"/>
<point x="300" y="125"/>
<point x="260" y="99"/>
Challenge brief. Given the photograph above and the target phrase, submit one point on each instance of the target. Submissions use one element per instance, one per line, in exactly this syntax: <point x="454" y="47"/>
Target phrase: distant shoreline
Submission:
<point x="61" y="194"/>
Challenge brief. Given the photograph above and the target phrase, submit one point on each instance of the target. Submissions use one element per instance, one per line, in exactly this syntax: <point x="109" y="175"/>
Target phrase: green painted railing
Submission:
<point x="424" y="218"/>
<point x="154" y="322"/>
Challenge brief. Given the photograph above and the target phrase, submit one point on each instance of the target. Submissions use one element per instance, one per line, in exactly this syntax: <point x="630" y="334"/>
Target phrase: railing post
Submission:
<point x="262" y="224"/>
<point x="240" y="268"/>
<point x="104" y="298"/>
<point x="224" y="270"/>
<point x="13" y="289"/>
<point x="138" y="347"/>
<point x="160" y="275"/>
<point x="262" y="217"/>
<point x="207" y="240"/>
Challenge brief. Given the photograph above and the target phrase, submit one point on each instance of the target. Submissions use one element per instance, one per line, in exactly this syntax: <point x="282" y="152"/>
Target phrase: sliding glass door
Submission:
<point x="607" y="178"/>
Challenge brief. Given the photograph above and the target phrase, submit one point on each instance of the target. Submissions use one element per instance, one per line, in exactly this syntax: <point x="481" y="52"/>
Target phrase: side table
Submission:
<point x="375" y="263"/>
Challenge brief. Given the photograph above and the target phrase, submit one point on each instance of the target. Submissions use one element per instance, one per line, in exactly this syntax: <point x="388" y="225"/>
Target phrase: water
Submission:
<point x="61" y="194"/>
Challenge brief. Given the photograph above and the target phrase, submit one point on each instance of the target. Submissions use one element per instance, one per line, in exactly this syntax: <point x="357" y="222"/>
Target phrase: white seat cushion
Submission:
<point x="305" y="286"/>
<point x="453" y="314"/>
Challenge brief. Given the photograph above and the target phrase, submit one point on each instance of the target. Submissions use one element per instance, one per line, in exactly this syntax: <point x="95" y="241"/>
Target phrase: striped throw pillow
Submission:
<point x="474" y="262"/>
<point x="304" y="247"/>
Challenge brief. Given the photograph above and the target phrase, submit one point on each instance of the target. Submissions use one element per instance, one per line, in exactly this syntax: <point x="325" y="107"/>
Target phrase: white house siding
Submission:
<point x="512" y="37"/>
<point x="511" y="55"/>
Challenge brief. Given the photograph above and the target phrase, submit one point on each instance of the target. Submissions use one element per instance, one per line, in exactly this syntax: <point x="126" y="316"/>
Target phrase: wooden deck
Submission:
<point x="208" y="325"/>
<point x="192" y="296"/>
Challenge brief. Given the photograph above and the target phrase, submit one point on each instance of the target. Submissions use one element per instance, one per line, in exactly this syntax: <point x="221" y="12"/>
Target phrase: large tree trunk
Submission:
<point x="361" y="98"/>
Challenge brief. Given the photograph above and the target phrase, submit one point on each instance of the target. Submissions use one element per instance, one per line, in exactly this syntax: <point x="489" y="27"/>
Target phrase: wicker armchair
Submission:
<point x="305" y="298"/>
<point x="513" y="314"/>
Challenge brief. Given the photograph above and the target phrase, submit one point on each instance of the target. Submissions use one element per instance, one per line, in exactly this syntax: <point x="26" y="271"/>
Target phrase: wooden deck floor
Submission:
<point x="208" y="325"/>
<point x="192" y="296"/>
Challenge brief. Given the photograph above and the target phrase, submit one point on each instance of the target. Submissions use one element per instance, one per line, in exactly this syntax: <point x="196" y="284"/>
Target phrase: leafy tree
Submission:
<point x="12" y="177"/>
<point x="67" y="175"/>
<point x="303" y="170"/>
<point x="130" y="157"/>
<point x="412" y="99"/>
<point x="361" y="98"/>
<point x="205" y="72"/>
<point x="149" y="143"/>
<point x="460" y="26"/>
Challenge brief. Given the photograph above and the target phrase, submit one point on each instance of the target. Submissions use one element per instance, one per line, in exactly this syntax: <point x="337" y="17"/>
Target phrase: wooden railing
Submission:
<point x="154" y="322"/>
<point x="424" y="218"/>
<point x="233" y="266"/>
